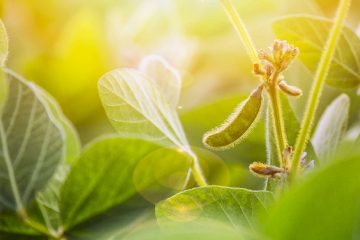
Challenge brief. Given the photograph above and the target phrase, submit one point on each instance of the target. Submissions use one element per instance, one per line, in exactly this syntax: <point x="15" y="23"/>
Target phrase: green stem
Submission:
<point x="278" y="122"/>
<point x="197" y="173"/>
<point x="320" y="77"/>
<point x="240" y="27"/>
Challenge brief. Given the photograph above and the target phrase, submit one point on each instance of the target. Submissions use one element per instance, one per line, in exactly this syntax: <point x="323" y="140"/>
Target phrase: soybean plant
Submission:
<point x="270" y="66"/>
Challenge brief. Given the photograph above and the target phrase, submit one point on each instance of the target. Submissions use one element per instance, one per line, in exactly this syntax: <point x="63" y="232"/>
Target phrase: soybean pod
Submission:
<point x="238" y="125"/>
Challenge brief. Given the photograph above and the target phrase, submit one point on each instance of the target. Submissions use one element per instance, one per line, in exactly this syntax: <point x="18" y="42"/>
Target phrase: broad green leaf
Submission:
<point x="101" y="178"/>
<point x="48" y="198"/>
<point x="309" y="34"/>
<point x="238" y="125"/>
<point x="31" y="145"/>
<point x="4" y="44"/>
<point x="142" y="103"/>
<point x="236" y="207"/>
<point x="72" y="139"/>
<point x="331" y="128"/>
<point x="325" y="205"/>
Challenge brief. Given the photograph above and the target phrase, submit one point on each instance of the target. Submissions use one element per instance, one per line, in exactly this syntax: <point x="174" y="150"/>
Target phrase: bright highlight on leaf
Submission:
<point x="238" y="125"/>
<point x="331" y="128"/>
<point x="236" y="207"/>
<point x="309" y="34"/>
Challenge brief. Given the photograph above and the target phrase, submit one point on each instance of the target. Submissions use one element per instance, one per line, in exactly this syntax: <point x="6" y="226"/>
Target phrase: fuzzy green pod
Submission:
<point x="238" y="125"/>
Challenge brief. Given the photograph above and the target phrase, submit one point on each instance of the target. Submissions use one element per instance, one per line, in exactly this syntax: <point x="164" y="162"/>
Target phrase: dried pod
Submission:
<point x="289" y="90"/>
<point x="238" y="125"/>
<point x="264" y="170"/>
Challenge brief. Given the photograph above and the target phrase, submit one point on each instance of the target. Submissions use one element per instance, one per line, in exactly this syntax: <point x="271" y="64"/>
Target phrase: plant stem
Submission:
<point x="320" y="77"/>
<point x="197" y="173"/>
<point x="278" y="122"/>
<point x="240" y="27"/>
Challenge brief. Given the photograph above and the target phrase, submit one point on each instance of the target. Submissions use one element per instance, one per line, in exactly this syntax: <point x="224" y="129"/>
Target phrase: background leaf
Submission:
<point x="31" y="146"/>
<point x="309" y="34"/>
<point x="101" y="178"/>
<point x="236" y="207"/>
<point x="326" y="205"/>
<point x="331" y="128"/>
<point x="142" y="103"/>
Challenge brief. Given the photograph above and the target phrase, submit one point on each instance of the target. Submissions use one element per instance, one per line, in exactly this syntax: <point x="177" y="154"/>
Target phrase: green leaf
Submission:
<point x="142" y="102"/>
<point x="205" y="230"/>
<point x="101" y="178"/>
<point x="72" y="139"/>
<point x="48" y="199"/>
<point x="4" y="44"/>
<point x="326" y="205"/>
<point x="331" y="128"/>
<point x="236" y="207"/>
<point x="238" y="125"/>
<point x="31" y="145"/>
<point x="309" y="34"/>
<point x="161" y="174"/>
<point x="136" y="106"/>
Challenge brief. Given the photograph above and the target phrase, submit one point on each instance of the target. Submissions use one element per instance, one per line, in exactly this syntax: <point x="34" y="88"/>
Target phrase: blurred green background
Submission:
<point x="65" y="46"/>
